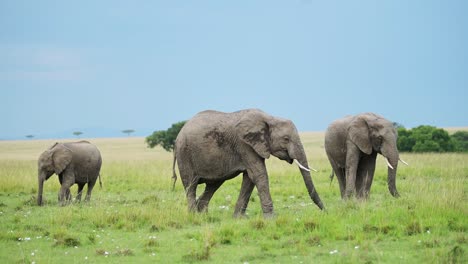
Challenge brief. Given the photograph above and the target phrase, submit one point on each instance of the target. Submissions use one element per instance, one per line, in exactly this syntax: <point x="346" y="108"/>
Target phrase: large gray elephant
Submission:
<point x="352" y="144"/>
<point x="75" y="162"/>
<point x="213" y="147"/>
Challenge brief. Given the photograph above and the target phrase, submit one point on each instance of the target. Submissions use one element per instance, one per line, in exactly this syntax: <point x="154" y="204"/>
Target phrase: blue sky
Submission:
<point x="104" y="66"/>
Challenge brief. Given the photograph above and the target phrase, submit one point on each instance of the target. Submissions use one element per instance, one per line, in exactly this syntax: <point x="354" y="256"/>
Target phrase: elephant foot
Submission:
<point x="202" y="207"/>
<point x="270" y="215"/>
<point x="240" y="215"/>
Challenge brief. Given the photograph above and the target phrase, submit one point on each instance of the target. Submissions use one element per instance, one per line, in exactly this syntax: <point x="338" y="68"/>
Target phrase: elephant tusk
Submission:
<point x="404" y="162"/>
<point x="389" y="165"/>
<point x="302" y="166"/>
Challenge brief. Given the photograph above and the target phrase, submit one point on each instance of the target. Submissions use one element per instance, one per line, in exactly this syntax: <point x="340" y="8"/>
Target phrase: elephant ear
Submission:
<point x="61" y="157"/>
<point x="253" y="130"/>
<point x="358" y="133"/>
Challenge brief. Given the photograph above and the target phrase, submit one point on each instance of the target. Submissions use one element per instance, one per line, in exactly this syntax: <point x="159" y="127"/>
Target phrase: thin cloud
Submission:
<point x="32" y="63"/>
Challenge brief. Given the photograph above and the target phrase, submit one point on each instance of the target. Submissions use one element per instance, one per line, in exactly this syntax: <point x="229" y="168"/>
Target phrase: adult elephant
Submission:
<point x="352" y="144"/>
<point x="75" y="162"/>
<point x="214" y="147"/>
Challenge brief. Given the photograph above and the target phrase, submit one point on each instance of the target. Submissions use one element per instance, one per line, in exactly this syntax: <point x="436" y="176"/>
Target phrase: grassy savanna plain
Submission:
<point x="137" y="218"/>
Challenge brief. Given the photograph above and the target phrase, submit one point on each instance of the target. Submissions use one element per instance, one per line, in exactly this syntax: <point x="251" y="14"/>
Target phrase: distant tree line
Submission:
<point x="165" y="138"/>
<point x="430" y="139"/>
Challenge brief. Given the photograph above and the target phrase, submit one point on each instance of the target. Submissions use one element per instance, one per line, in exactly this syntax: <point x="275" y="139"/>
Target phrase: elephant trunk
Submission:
<point x="392" y="162"/>
<point x="302" y="159"/>
<point x="41" y="180"/>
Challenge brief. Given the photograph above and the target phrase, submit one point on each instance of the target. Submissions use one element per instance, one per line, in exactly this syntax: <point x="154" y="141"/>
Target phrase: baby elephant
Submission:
<point x="75" y="162"/>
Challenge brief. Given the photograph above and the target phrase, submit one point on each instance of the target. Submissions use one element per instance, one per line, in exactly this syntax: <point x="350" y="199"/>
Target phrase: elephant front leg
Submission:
<point x="260" y="179"/>
<point x="67" y="179"/>
<point x="65" y="196"/>
<point x="244" y="196"/>
<point x="365" y="175"/>
<point x="352" y="163"/>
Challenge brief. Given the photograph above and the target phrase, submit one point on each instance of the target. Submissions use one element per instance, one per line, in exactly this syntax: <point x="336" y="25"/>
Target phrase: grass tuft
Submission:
<point x="152" y="199"/>
<point x="124" y="252"/>
<point x="204" y="251"/>
<point x="258" y="223"/>
<point x="63" y="239"/>
<point x="413" y="228"/>
<point x="456" y="255"/>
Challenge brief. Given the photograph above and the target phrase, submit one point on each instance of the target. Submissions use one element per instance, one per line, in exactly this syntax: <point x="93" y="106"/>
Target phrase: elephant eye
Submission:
<point x="286" y="139"/>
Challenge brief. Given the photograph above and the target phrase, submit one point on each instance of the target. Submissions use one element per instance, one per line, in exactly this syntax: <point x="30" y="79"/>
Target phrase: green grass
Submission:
<point x="136" y="218"/>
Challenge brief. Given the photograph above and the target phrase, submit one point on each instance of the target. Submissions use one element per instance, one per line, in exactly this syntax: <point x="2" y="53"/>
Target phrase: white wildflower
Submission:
<point x="356" y="247"/>
<point x="333" y="251"/>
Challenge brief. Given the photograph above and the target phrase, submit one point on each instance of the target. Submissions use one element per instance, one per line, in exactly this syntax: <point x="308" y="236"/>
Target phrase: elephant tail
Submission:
<point x="100" y="182"/>
<point x="331" y="176"/>
<point x="174" y="174"/>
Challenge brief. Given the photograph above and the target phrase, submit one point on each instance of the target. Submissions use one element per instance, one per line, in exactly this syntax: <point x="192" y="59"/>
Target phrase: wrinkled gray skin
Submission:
<point x="76" y="162"/>
<point x="352" y="144"/>
<point x="214" y="147"/>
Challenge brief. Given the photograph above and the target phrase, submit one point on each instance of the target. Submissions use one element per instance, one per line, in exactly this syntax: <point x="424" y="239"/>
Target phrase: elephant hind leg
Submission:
<point x="341" y="176"/>
<point x="89" y="190"/>
<point x="80" y="191"/>
<point x="190" y="192"/>
<point x="204" y="199"/>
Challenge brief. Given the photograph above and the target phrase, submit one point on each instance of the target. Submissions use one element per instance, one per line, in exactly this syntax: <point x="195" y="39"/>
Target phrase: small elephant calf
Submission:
<point x="74" y="162"/>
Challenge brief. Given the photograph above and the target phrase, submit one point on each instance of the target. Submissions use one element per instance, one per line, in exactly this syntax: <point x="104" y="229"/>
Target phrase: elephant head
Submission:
<point x="371" y="132"/>
<point x="268" y="135"/>
<point x="53" y="160"/>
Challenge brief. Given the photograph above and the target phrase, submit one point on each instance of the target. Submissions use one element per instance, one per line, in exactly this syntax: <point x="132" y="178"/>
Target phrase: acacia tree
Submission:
<point x="77" y="133"/>
<point x="165" y="138"/>
<point x="128" y="131"/>
<point x="30" y="136"/>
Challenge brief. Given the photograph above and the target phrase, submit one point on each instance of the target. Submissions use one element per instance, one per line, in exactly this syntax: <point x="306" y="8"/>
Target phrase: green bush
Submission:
<point x="431" y="139"/>
<point x="165" y="138"/>
<point x="460" y="141"/>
